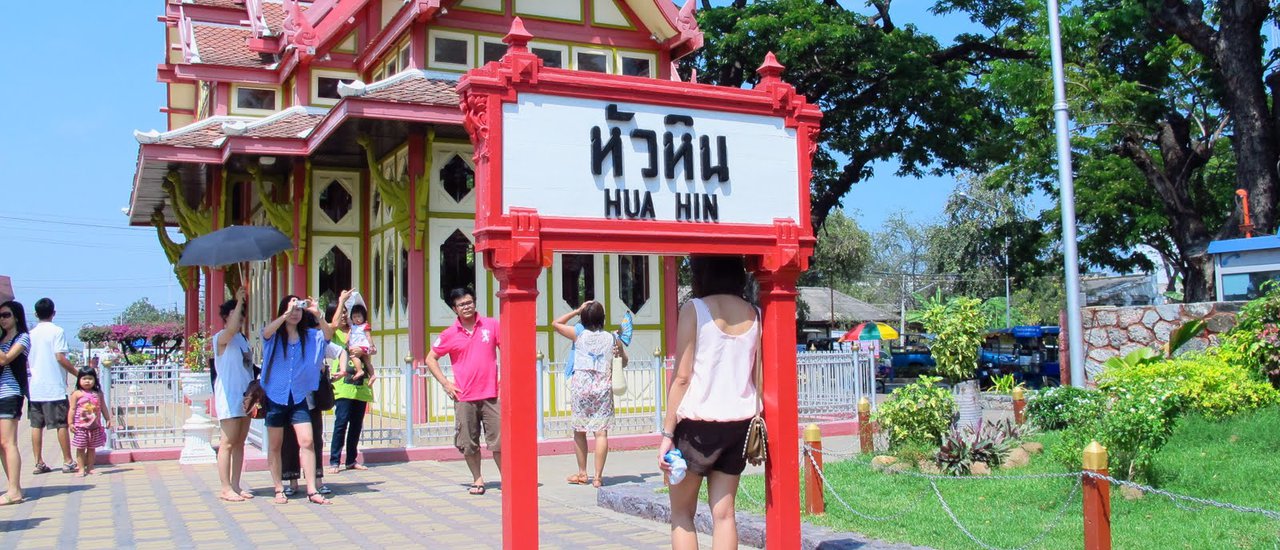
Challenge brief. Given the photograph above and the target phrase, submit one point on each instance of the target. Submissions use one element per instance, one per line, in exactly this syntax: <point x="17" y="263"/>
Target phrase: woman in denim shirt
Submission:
<point x="293" y="350"/>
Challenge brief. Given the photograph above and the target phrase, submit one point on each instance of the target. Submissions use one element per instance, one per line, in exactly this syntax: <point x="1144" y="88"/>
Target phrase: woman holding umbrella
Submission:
<point x="294" y="345"/>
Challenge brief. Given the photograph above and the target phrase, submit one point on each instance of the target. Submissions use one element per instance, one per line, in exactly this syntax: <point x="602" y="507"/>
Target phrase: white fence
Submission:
<point x="148" y="401"/>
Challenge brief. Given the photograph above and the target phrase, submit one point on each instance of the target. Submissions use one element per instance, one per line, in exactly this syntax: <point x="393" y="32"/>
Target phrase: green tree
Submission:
<point x="887" y="91"/>
<point x="841" y="256"/>
<point x="142" y="312"/>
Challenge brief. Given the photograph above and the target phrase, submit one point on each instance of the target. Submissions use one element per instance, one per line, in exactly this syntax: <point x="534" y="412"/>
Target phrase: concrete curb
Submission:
<point x="643" y="500"/>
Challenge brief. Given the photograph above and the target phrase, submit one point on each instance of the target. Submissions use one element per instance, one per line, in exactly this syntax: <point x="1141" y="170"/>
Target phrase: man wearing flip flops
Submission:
<point x="472" y="346"/>
<point x="49" y="368"/>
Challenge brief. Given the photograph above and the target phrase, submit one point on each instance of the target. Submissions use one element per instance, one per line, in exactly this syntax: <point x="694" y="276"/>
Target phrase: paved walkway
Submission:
<point x="405" y="505"/>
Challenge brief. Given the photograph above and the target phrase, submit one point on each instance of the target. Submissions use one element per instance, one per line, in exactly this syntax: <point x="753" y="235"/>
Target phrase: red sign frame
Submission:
<point x="518" y="244"/>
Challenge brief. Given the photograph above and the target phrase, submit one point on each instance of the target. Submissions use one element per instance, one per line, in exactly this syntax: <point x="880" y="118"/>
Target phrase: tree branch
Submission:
<point x="881" y="17"/>
<point x="975" y="51"/>
<point x="1186" y="21"/>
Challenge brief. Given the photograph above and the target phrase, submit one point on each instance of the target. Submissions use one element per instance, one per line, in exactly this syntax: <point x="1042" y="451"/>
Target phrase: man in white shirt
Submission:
<point x="49" y="366"/>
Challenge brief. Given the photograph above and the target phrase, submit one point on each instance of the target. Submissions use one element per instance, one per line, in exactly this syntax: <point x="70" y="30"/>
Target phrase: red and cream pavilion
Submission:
<point x="337" y="122"/>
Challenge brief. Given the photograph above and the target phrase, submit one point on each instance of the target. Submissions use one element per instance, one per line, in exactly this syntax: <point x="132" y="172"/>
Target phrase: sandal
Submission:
<point x="311" y="497"/>
<point x="577" y="479"/>
<point x="41" y="468"/>
<point x="7" y="501"/>
<point x="476" y="490"/>
<point x="246" y="494"/>
<point x="333" y="470"/>
<point x="357" y="466"/>
<point x="281" y="498"/>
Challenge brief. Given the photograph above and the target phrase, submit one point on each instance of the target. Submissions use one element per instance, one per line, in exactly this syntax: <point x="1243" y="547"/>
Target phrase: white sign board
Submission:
<point x="586" y="158"/>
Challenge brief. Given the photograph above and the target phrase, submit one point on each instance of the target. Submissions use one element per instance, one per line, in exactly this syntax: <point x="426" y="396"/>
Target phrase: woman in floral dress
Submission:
<point x="591" y="385"/>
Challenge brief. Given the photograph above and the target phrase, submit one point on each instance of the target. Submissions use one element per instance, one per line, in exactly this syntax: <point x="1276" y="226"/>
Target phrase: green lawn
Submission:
<point x="1235" y="461"/>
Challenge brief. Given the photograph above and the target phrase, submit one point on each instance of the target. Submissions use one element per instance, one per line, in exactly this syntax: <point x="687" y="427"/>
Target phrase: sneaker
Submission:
<point x="325" y="490"/>
<point x="41" y="468"/>
<point x="69" y="468"/>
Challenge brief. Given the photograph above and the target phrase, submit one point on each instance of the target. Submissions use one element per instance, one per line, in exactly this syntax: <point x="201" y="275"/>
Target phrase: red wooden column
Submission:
<point x="191" y="276"/>
<point x="298" y="267"/>
<point x="417" y="274"/>
<point x="516" y="265"/>
<point x="777" y="276"/>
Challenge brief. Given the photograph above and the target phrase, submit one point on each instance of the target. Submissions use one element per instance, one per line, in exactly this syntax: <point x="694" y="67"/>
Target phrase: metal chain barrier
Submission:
<point x="1177" y="499"/>
<point x="744" y="492"/>
<point x="825" y="483"/>
<point x="1062" y="510"/>
<point x="936" y="477"/>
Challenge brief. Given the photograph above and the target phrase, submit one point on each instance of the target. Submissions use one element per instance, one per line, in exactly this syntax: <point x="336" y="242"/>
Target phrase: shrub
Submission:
<point x="1204" y="382"/>
<point x="918" y="413"/>
<point x="1254" y="342"/>
<point x="990" y="442"/>
<point x="958" y="324"/>
<point x="1134" y="423"/>
<point x="1055" y="408"/>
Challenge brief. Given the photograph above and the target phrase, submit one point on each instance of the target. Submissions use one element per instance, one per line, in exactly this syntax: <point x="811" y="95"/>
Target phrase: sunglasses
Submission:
<point x="6" y="314"/>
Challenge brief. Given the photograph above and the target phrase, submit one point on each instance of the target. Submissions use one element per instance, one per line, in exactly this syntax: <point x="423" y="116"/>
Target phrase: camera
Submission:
<point x="303" y="304"/>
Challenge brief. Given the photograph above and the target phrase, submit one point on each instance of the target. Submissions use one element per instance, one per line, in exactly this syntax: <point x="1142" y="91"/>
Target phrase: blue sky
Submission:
<point x="71" y="102"/>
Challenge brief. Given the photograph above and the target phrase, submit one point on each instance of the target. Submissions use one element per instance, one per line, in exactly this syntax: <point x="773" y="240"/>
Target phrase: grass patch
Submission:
<point x="1235" y="461"/>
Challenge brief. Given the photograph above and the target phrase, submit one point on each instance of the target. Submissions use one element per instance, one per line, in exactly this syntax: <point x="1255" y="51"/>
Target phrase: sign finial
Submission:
<point x="517" y="39"/>
<point x="770" y="70"/>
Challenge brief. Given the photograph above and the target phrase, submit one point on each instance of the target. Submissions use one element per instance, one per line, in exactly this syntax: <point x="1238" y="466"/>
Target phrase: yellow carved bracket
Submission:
<point x="395" y="192"/>
<point x="193" y="222"/>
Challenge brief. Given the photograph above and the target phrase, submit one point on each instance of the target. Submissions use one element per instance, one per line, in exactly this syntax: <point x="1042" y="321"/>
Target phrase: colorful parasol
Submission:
<point x="870" y="331"/>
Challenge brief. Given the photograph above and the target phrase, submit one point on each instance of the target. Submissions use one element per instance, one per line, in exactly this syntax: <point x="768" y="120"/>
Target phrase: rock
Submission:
<point x="1033" y="447"/>
<point x="1131" y="493"/>
<point x="1096" y="336"/>
<point x="1197" y="310"/>
<point x="1170" y="312"/>
<point x="880" y="462"/>
<point x="980" y="469"/>
<point x="1150" y="318"/>
<point x="1017" y="458"/>
<point x="1163" y="329"/>
<point x="1130" y="316"/>
<point x="1141" y="334"/>
<point x="1117" y="337"/>
<point x="929" y="467"/>
<point x="1106" y="318"/>
<point x="1101" y="354"/>
<point x="1221" y="322"/>
<point x="896" y="468"/>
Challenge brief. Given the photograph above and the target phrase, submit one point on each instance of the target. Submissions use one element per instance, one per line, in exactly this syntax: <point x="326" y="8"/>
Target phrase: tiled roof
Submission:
<point x="222" y="45"/>
<point x="202" y="133"/>
<point x="291" y="123"/>
<point x="220" y="3"/>
<point x="414" y="86"/>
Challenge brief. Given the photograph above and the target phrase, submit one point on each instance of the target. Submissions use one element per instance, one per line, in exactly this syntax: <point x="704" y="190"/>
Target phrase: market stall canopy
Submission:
<point x="870" y="331"/>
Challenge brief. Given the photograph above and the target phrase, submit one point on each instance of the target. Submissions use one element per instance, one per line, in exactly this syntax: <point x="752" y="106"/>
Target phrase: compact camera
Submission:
<point x="303" y="304"/>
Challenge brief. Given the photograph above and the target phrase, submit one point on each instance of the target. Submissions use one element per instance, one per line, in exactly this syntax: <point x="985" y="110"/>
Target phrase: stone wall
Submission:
<point x="1111" y="331"/>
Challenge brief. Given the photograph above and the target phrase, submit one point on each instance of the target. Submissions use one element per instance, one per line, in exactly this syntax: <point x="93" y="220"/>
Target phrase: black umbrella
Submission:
<point x="235" y="244"/>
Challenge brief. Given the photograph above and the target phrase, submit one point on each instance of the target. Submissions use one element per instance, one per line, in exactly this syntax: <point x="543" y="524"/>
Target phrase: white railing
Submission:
<point x="148" y="402"/>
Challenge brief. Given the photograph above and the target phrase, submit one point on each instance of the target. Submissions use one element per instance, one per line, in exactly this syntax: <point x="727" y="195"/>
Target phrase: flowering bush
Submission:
<point x="1204" y="382"/>
<point x="917" y="413"/>
<point x="164" y="335"/>
<point x="1254" y="342"/>
<point x="198" y="351"/>
<point x="1056" y="408"/>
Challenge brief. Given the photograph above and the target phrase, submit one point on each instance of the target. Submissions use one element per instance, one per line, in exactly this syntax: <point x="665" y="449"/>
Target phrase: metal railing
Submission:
<point x="148" y="401"/>
<point x="146" y="404"/>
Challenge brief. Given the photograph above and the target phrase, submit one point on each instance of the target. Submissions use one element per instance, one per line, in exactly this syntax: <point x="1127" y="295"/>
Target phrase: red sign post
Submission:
<point x="574" y="161"/>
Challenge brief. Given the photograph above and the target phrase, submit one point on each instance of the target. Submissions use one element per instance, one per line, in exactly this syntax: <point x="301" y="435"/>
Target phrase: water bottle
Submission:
<point x="676" y="459"/>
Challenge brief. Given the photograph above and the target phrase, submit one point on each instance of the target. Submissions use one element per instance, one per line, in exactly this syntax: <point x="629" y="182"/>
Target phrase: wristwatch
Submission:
<point x="668" y="435"/>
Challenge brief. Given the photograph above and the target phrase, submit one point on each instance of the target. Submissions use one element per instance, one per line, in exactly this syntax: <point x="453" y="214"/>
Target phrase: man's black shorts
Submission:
<point x="48" y="414"/>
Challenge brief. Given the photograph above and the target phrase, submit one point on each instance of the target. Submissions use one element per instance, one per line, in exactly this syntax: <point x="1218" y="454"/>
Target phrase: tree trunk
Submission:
<point x="1197" y="279"/>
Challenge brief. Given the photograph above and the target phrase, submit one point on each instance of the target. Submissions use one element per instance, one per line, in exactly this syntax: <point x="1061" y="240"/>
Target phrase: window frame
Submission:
<point x="469" y="39"/>
<point x="606" y="53"/>
<point x="562" y="48"/>
<point x="317" y="74"/>
<point x="236" y="109"/>
<point x="651" y="58"/>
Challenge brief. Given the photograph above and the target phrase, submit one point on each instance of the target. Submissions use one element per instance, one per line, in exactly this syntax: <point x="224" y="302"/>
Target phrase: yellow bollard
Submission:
<point x="864" y="426"/>
<point x="814" y="502"/>
<point x="1097" y="499"/>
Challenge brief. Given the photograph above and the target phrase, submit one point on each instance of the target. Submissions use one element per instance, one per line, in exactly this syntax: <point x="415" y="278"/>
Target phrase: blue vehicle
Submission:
<point x="912" y="360"/>
<point x="1029" y="353"/>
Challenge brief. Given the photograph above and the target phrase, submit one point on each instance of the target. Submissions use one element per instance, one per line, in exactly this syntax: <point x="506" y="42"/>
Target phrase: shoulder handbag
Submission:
<point x="756" y="449"/>
<point x="618" y="378"/>
<point x="323" y="396"/>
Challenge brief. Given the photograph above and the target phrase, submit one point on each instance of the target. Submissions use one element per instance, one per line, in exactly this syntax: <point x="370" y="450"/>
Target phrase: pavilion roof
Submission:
<point x="227" y="45"/>
<point x="410" y="86"/>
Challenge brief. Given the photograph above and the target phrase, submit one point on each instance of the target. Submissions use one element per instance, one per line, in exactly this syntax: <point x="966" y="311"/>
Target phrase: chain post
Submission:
<point x="406" y="388"/>
<point x="106" y="393"/>
<point x="1097" y="499"/>
<point x="864" y="426"/>
<point x="1019" y="406"/>
<point x="814" y="503"/>
<point x="542" y="409"/>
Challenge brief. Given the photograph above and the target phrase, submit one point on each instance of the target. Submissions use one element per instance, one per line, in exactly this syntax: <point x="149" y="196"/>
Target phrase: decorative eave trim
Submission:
<point x="155" y="136"/>
<point x="359" y="89"/>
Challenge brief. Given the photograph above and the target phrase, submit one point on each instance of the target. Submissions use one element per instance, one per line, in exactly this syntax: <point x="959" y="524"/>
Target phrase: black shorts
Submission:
<point x="11" y="408"/>
<point x="717" y="446"/>
<point x="48" y="414"/>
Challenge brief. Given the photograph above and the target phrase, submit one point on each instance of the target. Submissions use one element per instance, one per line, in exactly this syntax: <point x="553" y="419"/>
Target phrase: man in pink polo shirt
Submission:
<point x="472" y="346"/>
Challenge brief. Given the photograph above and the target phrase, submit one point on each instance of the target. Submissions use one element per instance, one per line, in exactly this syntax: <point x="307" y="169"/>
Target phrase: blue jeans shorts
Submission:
<point x="11" y="408"/>
<point x="279" y="416"/>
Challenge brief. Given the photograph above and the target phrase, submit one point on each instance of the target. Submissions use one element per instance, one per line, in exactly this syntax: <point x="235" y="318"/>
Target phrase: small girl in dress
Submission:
<point x="358" y="341"/>
<point x="88" y="419"/>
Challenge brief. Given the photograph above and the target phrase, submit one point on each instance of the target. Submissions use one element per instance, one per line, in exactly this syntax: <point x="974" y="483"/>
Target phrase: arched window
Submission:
<point x="633" y="281"/>
<point x="577" y="278"/>
<point x="335" y="276"/>
<point x="404" y="280"/>
<point x="457" y="264"/>
<point x="457" y="178"/>
<point x="374" y="303"/>
<point x="389" y="298"/>
<point x="335" y="201"/>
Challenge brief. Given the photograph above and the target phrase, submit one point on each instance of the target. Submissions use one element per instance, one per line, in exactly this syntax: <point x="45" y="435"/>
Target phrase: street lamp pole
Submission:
<point x="1075" y="330"/>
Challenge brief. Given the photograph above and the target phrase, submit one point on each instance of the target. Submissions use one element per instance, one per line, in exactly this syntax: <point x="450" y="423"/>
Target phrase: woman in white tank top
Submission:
<point x="712" y="397"/>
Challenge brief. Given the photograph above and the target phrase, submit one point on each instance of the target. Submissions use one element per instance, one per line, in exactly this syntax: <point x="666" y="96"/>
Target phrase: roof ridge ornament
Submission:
<point x="517" y="38"/>
<point x="144" y="138"/>
<point x="235" y="127"/>
<point x="770" y="71"/>
<point x="298" y="31"/>
<point x="187" y="38"/>
<point x="355" y="88"/>
<point x="257" y="21"/>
